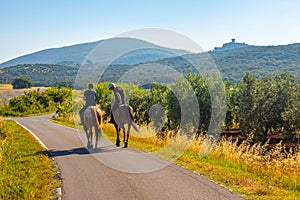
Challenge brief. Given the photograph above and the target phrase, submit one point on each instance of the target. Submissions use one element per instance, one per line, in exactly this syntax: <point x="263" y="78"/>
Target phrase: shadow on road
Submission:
<point x="81" y="151"/>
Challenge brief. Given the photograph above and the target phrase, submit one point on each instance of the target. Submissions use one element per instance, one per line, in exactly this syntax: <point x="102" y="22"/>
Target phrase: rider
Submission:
<point x="90" y="97"/>
<point x="119" y="99"/>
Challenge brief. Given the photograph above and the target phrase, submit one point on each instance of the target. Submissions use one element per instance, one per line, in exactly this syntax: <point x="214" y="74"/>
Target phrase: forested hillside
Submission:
<point x="233" y="65"/>
<point x="259" y="61"/>
<point x="40" y="74"/>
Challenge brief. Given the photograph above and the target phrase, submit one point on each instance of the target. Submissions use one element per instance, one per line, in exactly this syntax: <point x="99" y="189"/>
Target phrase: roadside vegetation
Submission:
<point x="261" y="160"/>
<point x="34" y="101"/>
<point x="254" y="171"/>
<point x="26" y="172"/>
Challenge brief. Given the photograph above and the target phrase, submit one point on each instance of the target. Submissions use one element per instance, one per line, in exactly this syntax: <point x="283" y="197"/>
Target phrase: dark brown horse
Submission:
<point x="124" y="115"/>
<point x="92" y="119"/>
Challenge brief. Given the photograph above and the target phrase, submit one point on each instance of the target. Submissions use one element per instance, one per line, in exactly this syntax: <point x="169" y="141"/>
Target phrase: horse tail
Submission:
<point x="136" y="128"/>
<point x="133" y="124"/>
<point x="97" y="116"/>
<point x="130" y="112"/>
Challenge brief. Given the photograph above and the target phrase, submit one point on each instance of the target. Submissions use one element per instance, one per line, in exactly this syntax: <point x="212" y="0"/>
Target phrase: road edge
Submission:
<point x="58" y="190"/>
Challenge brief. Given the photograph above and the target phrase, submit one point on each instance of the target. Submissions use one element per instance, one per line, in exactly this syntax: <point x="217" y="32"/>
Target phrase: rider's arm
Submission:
<point x="118" y="98"/>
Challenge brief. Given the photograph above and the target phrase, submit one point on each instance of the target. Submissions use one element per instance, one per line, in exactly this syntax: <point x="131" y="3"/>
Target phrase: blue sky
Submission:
<point x="27" y="26"/>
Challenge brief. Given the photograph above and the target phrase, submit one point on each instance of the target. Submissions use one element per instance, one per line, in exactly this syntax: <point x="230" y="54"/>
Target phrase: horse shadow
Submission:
<point x="79" y="151"/>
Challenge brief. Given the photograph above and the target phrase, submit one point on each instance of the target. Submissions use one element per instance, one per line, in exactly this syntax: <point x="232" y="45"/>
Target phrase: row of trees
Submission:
<point x="267" y="105"/>
<point x="259" y="106"/>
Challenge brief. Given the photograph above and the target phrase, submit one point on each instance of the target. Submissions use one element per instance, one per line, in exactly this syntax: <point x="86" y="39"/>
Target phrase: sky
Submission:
<point x="27" y="26"/>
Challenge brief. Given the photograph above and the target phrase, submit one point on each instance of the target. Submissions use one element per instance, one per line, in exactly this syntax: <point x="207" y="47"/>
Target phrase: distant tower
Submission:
<point x="233" y="40"/>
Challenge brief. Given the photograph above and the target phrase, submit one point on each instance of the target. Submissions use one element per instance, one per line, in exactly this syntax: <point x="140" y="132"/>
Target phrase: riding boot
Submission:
<point x="81" y="112"/>
<point x="112" y="120"/>
<point x="81" y="117"/>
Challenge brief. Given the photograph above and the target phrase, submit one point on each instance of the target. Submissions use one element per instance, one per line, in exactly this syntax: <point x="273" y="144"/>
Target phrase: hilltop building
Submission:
<point x="231" y="45"/>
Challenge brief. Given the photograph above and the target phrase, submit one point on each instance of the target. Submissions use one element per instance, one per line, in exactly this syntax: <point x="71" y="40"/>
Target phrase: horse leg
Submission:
<point x="88" y="138"/>
<point x="97" y="136"/>
<point x="87" y="135"/>
<point x="118" y="135"/>
<point x="91" y="138"/>
<point x="128" y="132"/>
<point x="124" y="131"/>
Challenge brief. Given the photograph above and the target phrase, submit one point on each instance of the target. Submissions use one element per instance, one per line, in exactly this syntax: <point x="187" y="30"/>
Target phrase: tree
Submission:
<point x="199" y="85"/>
<point x="104" y="97"/>
<point x="159" y="94"/>
<point x="245" y="103"/>
<point x="267" y="105"/>
<point x="22" y="82"/>
<point x="231" y="114"/>
<point x="141" y="102"/>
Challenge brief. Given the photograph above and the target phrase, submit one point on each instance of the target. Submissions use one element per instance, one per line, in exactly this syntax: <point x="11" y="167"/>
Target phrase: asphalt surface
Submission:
<point x="110" y="172"/>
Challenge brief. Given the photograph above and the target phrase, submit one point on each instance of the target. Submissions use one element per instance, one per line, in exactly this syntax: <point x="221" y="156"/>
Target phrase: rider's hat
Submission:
<point x="110" y="85"/>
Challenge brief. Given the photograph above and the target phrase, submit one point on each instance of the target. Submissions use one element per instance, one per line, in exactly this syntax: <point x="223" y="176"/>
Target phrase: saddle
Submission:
<point x="116" y="114"/>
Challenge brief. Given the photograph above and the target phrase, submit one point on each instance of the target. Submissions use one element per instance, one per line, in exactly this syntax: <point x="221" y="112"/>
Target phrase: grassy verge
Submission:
<point x="247" y="170"/>
<point x="26" y="172"/>
<point x="251" y="171"/>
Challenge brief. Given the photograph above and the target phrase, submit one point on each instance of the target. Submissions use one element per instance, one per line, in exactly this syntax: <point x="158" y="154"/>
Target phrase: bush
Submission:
<point x="22" y="82"/>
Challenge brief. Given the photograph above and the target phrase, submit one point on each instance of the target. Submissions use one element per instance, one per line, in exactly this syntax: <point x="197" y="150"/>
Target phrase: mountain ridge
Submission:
<point x="232" y="64"/>
<point x="76" y="54"/>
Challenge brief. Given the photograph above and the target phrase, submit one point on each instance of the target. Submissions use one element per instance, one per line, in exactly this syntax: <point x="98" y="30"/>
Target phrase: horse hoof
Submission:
<point x="125" y="145"/>
<point x="117" y="144"/>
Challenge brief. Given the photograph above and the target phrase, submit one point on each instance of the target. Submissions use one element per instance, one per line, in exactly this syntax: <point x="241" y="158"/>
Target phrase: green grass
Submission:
<point x="26" y="172"/>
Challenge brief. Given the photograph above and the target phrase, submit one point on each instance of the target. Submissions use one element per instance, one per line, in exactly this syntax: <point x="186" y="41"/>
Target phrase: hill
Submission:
<point x="74" y="55"/>
<point x="232" y="63"/>
<point x="40" y="74"/>
<point x="258" y="60"/>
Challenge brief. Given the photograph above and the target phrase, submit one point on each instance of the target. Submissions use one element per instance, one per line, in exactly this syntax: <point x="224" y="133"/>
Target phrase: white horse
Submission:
<point x="92" y="119"/>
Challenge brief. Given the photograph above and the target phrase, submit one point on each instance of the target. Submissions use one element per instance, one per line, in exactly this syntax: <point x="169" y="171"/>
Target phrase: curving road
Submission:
<point x="117" y="173"/>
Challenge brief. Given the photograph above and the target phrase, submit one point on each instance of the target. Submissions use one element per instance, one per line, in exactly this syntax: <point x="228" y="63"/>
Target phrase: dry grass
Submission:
<point x="276" y="166"/>
<point x="6" y="86"/>
<point x="255" y="171"/>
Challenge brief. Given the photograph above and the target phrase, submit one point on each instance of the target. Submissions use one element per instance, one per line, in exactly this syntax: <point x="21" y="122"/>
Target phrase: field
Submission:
<point x="7" y="92"/>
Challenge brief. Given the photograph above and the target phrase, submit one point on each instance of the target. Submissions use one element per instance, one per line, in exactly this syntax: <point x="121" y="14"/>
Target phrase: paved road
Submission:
<point x="117" y="173"/>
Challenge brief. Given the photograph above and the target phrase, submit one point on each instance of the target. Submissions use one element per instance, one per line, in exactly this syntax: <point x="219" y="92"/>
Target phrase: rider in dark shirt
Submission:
<point x="90" y="97"/>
